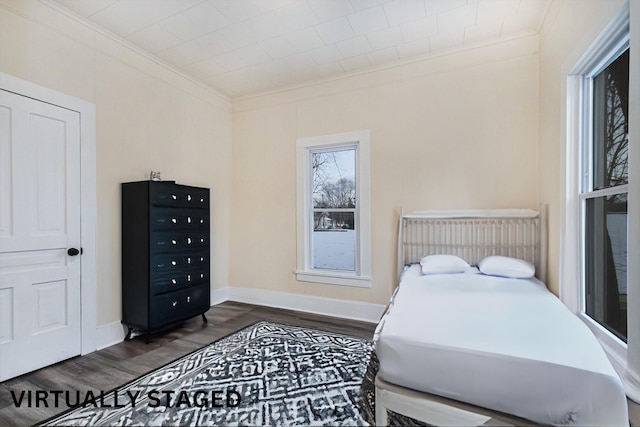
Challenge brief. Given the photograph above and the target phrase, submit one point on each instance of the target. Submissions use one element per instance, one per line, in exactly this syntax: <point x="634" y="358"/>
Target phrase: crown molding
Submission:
<point x="116" y="39"/>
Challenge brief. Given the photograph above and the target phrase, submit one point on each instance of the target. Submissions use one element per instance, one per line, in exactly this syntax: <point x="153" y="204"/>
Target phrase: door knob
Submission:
<point x="73" y="252"/>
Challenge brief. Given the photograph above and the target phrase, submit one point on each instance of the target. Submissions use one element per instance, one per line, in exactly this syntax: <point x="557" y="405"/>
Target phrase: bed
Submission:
<point x="471" y="348"/>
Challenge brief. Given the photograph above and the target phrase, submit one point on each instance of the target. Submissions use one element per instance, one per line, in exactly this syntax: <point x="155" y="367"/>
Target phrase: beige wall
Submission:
<point x="479" y="128"/>
<point x="454" y="131"/>
<point x="569" y="29"/>
<point x="147" y="118"/>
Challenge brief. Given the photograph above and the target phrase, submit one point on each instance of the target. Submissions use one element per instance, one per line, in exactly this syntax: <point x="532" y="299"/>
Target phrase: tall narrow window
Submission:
<point x="333" y="209"/>
<point x="604" y="195"/>
<point x="333" y="199"/>
<point x="600" y="259"/>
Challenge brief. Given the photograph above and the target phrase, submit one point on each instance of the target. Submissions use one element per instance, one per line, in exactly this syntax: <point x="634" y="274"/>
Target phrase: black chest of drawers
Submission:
<point x="165" y="254"/>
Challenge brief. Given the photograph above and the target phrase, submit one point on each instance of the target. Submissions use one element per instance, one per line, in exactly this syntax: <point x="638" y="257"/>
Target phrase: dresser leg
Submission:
<point x="204" y="318"/>
<point x="128" y="336"/>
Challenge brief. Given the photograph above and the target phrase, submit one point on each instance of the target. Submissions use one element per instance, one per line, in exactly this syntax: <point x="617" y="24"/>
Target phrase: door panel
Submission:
<point x="39" y="220"/>
<point x="6" y="315"/>
<point x="49" y="176"/>
<point x="6" y="214"/>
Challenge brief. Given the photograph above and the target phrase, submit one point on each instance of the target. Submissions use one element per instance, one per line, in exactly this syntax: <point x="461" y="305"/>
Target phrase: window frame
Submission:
<point x="313" y="209"/>
<point x="586" y="190"/>
<point x="625" y="357"/>
<point x="361" y="277"/>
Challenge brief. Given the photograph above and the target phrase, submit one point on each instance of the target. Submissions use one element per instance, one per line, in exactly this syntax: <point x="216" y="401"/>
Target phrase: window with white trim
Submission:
<point x="333" y="209"/>
<point x="599" y="268"/>
<point x="604" y="191"/>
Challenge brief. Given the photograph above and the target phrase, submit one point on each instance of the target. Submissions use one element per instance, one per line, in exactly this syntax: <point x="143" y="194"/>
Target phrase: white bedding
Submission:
<point x="499" y="343"/>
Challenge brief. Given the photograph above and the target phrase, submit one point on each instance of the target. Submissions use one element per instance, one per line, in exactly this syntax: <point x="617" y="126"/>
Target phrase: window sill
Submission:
<point x="332" y="278"/>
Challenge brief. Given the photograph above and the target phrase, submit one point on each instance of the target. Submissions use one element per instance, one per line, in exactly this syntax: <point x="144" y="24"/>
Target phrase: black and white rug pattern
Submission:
<point x="281" y="375"/>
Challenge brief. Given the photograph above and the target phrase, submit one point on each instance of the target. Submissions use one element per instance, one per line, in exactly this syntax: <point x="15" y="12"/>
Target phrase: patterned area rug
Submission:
<point x="265" y="374"/>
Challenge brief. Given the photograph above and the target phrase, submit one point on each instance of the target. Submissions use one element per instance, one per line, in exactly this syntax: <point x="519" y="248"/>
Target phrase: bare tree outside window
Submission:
<point x="611" y="127"/>
<point x="334" y="206"/>
<point x="606" y="214"/>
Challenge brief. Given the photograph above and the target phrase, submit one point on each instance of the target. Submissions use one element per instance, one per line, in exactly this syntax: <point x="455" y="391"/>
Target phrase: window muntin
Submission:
<point x="604" y="196"/>
<point x="333" y="201"/>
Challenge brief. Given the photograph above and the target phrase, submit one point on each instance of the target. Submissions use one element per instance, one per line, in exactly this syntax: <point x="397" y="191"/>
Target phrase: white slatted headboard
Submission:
<point x="474" y="234"/>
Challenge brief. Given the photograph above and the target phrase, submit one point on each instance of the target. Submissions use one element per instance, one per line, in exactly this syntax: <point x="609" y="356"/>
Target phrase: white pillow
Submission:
<point x="443" y="264"/>
<point x="503" y="266"/>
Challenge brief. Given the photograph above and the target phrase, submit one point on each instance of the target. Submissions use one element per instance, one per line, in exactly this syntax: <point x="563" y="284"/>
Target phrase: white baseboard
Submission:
<point x="347" y="309"/>
<point x="220" y="295"/>
<point x="113" y="333"/>
<point x="109" y="334"/>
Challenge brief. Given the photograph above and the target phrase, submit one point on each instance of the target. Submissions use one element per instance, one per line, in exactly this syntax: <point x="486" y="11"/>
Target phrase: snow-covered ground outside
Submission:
<point x="334" y="249"/>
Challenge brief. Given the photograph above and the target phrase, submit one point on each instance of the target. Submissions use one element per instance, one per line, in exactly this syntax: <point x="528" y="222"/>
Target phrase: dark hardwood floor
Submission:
<point x="116" y="365"/>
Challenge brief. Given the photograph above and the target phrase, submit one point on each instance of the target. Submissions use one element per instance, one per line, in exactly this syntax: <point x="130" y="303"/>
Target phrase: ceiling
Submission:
<point x="244" y="47"/>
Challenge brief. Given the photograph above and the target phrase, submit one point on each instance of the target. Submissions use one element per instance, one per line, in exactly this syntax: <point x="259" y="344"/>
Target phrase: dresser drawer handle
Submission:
<point x="174" y="263"/>
<point x="174" y="220"/>
<point x="174" y="303"/>
<point x="174" y="281"/>
<point x="188" y="299"/>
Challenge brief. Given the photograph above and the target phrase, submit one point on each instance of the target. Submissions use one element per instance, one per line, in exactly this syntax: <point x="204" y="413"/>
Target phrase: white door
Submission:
<point x="39" y="222"/>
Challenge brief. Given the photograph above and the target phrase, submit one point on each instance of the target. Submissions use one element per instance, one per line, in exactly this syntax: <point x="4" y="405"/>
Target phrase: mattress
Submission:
<point x="500" y="343"/>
